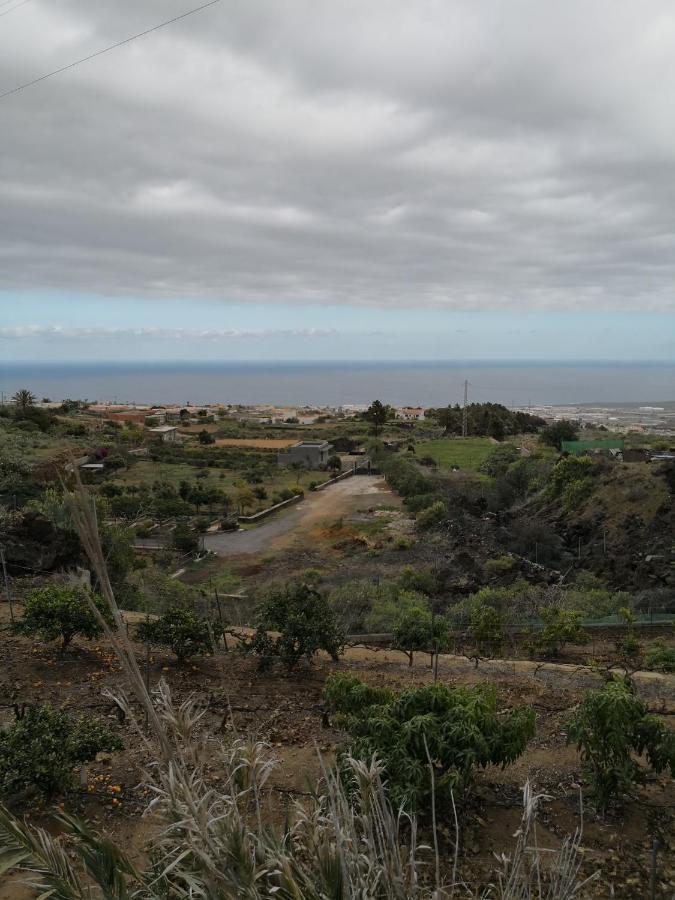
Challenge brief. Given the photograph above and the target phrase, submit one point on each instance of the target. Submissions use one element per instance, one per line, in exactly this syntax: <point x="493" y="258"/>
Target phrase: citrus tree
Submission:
<point x="43" y="748"/>
<point x="179" y="629"/>
<point x="295" y="621"/>
<point x="60" y="611"/>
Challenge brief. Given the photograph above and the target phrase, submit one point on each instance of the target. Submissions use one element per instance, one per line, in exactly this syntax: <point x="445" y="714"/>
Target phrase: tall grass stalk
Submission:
<point x="213" y="840"/>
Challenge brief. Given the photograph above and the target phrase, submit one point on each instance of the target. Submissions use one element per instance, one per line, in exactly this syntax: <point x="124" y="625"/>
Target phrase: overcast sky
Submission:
<point x="317" y="179"/>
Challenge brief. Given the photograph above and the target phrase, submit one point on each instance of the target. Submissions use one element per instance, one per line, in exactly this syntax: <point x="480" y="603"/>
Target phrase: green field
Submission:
<point x="467" y="453"/>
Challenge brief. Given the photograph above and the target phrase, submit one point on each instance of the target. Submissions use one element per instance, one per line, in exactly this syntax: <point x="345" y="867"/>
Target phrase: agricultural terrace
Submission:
<point x="255" y="470"/>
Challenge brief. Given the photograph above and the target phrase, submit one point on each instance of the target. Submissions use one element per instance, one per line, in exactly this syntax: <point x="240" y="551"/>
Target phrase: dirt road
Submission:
<point x="287" y="527"/>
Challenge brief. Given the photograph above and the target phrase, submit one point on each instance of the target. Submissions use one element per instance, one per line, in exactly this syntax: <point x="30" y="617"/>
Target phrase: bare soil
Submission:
<point x="286" y="711"/>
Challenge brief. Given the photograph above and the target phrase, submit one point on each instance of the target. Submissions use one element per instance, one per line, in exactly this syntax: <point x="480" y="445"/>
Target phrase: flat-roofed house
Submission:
<point x="167" y="434"/>
<point x="312" y="454"/>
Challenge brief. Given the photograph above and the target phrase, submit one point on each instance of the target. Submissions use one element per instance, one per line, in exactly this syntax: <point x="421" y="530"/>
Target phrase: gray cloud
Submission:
<point x="461" y="155"/>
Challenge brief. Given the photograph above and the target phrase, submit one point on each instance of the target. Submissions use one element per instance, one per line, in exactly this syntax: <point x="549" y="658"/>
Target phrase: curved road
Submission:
<point x="287" y="526"/>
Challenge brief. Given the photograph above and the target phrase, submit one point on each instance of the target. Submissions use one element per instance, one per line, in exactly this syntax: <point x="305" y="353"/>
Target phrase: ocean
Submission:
<point x="338" y="383"/>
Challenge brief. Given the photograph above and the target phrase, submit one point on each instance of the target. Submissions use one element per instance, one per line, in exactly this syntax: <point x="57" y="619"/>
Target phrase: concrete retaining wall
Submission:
<point x="270" y="509"/>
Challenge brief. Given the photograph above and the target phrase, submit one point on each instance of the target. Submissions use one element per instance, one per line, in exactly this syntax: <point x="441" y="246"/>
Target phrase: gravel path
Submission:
<point x="289" y="525"/>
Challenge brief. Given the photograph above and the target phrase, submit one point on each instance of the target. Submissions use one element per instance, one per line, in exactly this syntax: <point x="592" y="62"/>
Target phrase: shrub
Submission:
<point x="52" y="612"/>
<point x="561" y="626"/>
<point x="611" y="728"/>
<point x="569" y="471"/>
<point x="415" y="629"/>
<point x="498" y="460"/>
<point x="387" y="602"/>
<point x="179" y="629"/>
<point x="432" y="516"/>
<point x="43" y="748"/>
<point x="495" y="568"/>
<point x="305" y="623"/>
<point x="660" y="657"/>
<point x="459" y="726"/>
<point x="422" y="580"/>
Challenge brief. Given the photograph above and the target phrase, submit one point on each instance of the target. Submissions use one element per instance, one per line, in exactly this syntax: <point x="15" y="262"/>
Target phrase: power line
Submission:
<point x="8" y="11"/>
<point x="128" y="40"/>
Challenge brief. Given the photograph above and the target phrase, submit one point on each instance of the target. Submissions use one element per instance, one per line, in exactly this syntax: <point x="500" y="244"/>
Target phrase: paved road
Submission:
<point x="288" y="526"/>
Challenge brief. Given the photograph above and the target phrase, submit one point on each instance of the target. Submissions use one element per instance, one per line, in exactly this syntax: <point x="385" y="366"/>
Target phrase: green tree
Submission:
<point x="184" y="539"/>
<point x="297" y="467"/>
<point x="304" y="622"/>
<point x="378" y="414"/>
<point x="454" y="729"/>
<point x="245" y="499"/>
<point x="52" y="612"/>
<point x="486" y="627"/>
<point x="561" y="626"/>
<point x="416" y="629"/>
<point x="204" y="437"/>
<point x="23" y="399"/>
<point x="612" y="729"/>
<point x="42" y="749"/>
<point x="557" y="432"/>
<point x="334" y="464"/>
<point x="179" y="629"/>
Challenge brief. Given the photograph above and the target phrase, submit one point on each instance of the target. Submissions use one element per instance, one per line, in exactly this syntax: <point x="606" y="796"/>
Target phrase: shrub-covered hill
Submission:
<point x="618" y="516"/>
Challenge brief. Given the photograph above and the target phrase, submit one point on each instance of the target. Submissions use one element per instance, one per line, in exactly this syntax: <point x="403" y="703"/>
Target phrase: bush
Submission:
<point x="498" y="460"/>
<point x="611" y="728"/>
<point x="43" y="748"/>
<point x="179" y="629"/>
<point x="53" y="612"/>
<point x="305" y="623"/>
<point x="660" y="657"/>
<point x="422" y="580"/>
<point x="460" y="727"/>
<point x="502" y="565"/>
<point x="432" y="516"/>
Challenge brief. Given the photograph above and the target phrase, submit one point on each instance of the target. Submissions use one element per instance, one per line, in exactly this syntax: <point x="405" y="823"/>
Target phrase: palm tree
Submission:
<point x="23" y="399"/>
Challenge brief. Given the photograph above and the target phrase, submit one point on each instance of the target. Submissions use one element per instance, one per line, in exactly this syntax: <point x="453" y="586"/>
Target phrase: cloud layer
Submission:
<point x="481" y="156"/>
<point x="59" y="332"/>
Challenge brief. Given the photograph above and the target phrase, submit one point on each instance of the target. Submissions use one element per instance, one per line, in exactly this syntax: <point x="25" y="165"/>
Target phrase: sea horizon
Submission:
<point x="343" y="382"/>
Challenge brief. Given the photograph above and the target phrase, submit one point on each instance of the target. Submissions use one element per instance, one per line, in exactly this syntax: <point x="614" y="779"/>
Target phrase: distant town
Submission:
<point x="620" y="418"/>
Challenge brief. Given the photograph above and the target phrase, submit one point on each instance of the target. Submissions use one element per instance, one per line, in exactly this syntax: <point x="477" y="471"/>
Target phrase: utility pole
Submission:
<point x="9" y="593"/>
<point x="465" y="411"/>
